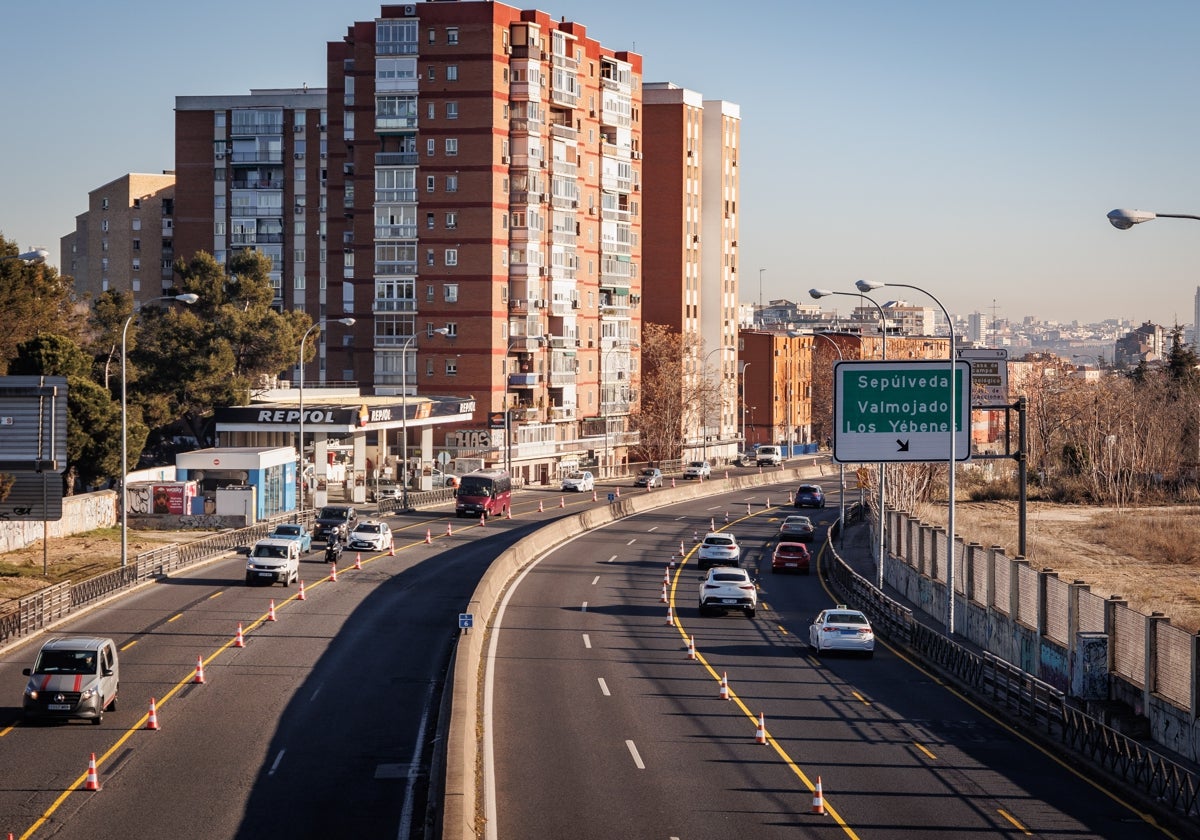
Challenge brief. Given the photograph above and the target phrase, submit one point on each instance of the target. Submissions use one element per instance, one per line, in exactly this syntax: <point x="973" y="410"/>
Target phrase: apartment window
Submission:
<point x="430" y="147"/>
<point x="430" y="183"/>
<point x="429" y="222"/>
<point x="137" y="264"/>
<point x="450" y="290"/>
<point x="429" y="295"/>
<point x="429" y="257"/>
<point x="104" y="225"/>
<point x="451" y="183"/>
<point x="431" y="72"/>
<point x="451" y="110"/>
<point x="298" y="255"/>
<point x="218" y="228"/>
<point x="429" y="367"/>
<point x="451" y="329"/>
<point x="452" y="35"/>
<point x="137" y="204"/>
<point x="432" y="35"/>
<point x="104" y="263"/>
<point x="452" y="73"/>
<point x="431" y="111"/>
<point x="451" y="256"/>
<point x="299" y="228"/>
<point x="451" y="146"/>
<point x="452" y="220"/>
<point x="452" y="367"/>
<point x="104" y="204"/>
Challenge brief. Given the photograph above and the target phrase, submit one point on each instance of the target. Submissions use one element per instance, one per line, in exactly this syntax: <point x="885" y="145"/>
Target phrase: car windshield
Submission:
<point x="697" y="463"/>
<point x="270" y="551"/>
<point x="475" y="487"/>
<point x="288" y="530"/>
<point x="846" y="618"/>
<point x="575" y="476"/>
<point x="66" y="662"/>
<point x="367" y="528"/>
<point x="649" y="472"/>
<point x="334" y="513"/>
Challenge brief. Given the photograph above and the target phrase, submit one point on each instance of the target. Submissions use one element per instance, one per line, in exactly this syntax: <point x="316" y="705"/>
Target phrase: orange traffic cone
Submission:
<point x="666" y="575"/>
<point x="428" y="537"/>
<point x="392" y="548"/>
<point x="672" y="481"/>
<point x="271" y="610"/>
<point x="712" y="524"/>
<point x="508" y="513"/>
<point x="540" y="508"/>
<point x="663" y="598"/>
<point x="301" y="596"/>
<point x="691" y="647"/>
<point x="593" y="495"/>
<point x="562" y="503"/>
<point x="695" y="535"/>
<point x="152" y="720"/>
<point x="767" y="503"/>
<point x="239" y="640"/>
<point x="682" y="550"/>
<point x="726" y="516"/>
<point x="724" y="686"/>
<point x="618" y="492"/>
<point x="93" y="781"/>
<point x="760" y="737"/>
<point x="726" y="475"/>
<point x="449" y="529"/>
<point x="818" y="799"/>
<point x="671" y="563"/>
<point x="358" y="561"/>
<point x="760" y="469"/>
<point x="670" y="618"/>
<point x="199" y="678"/>
<point x="747" y="508"/>
<point x="333" y="572"/>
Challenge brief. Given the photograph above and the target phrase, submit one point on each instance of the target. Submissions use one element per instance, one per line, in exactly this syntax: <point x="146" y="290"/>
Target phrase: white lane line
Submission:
<point x="637" y="759"/>
<point x="632" y="541"/>
<point x="316" y="691"/>
<point x="275" y="763"/>
<point x="610" y="559"/>
<point x="406" y="812"/>
<point x="595" y="580"/>
<point x="584" y="606"/>
<point x="652" y="530"/>
<point x="587" y="641"/>
<point x="678" y="518"/>
<point x="603" y="686"/>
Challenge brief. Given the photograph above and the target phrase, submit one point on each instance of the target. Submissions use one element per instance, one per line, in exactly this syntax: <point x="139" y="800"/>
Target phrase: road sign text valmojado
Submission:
<point x="919" y="404"/>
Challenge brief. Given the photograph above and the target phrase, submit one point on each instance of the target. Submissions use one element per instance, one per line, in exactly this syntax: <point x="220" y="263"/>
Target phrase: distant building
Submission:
<point x="1145" y="344"/>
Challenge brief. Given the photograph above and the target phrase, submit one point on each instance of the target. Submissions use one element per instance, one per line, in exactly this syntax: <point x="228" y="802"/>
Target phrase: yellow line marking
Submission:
<point x="175" y="617"/>
<point x="7" y="729"/>
<point x="217" y="594"/>
<point x="921" y="747"/>
<point x="128" y="646"/>
<point x="781" y="629"/>
<point x="1013" y="820"/>
<point x="861" y="699"/>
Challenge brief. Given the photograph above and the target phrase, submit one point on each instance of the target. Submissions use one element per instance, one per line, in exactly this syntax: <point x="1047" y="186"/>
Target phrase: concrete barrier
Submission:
<point x="462" y="800"/>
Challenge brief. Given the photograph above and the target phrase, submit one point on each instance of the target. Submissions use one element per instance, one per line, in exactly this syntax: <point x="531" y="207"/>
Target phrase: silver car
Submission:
<point x="719" y="548"/>
<point x="728" y="587"/>
<point x="842" y="629"/>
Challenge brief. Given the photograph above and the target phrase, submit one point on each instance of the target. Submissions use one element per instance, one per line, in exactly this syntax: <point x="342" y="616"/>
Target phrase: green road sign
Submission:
<point x="900" y="411"/>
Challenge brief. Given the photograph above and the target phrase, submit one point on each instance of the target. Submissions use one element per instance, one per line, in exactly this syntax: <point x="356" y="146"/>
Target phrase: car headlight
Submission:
<point x="87" y="694"/>
<point x="31" y="693"/>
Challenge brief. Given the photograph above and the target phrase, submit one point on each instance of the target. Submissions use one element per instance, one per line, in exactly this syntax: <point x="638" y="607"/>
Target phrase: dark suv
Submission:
<point x="335" y="518"/>
<point x="809" y="495"/>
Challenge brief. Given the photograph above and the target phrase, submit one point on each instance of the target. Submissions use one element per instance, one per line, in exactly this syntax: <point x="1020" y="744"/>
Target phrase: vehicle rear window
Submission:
<point x="847" y="618"/>
<point x="729" y="577"/>
<point x="718" y="541"/>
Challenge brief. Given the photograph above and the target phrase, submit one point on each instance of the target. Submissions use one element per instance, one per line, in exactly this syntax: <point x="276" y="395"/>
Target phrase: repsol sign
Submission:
<point x="292" y="415"/>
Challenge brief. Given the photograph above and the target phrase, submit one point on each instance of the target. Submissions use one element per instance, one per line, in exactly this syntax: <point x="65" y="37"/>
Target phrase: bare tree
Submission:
<point x="675" y="395"/>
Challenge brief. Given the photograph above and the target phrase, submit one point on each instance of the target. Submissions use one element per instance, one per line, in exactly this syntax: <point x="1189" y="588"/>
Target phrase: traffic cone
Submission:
<point x="271" y="610"/>
<point x="483" y="520"/>
<point x="541" y="509"/>
<point x="238" y="640"/>
<point x="672" y="481"/>
<point x="712" y="523"/>
<point x="760" y="737"/>
<point x="562" y="503"/>
<point x="199" y="678"/>
<point x="666" y="575"/>
<point x="508" y="513"/>
<point x="760" y="469"/>
<point x="747" y="508"/>
<point x="618" y="492"/>
<point x="428" y="537"/>
<point x="682" y="550"/>
<point x="333" y="572"/>
<point x="691" y="647"/>
<point x="663" y="599"/>
<point x="670" y="618"/>
<point x="726" y="516"/>
<point x="93" y="781"/>
<point x="449" y="529"/>
<point x="726" y="475"/>
<point x="818" y="799"/>
<point x="695" y="535"/>
<point x="593" y="495"/>
<point x="724" y="686"/>
<point x="392" y="548"/>
<point x="358" y="561"/>
<point x="152" y="720"/>
<point x="767" y="503"/>
<point x="301" y="596"/>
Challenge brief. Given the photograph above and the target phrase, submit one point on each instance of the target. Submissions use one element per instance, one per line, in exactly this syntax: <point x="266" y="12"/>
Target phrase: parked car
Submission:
<point x="809" y="495"/>
<point x="441" y="479"/>
<point x="579" y="482"/>
<point x="842" y="629"/>
<point x="340" y="518"/>
<point x="771" y="456"/>
<point x="370" y="535"/>
<point x="73" y="677"/>
<point x="791" y="557"/>
<point x="649" y="477"/>
<point x="718" y="548"/>
<point x="385" y="492"/>
<point x="293" y="531"/>
<point x="728" y="587"/>
<point x="744" y="459"/>
<point x="273" y="561"/>
<point x="798" y="527"/>
<point x="697" y="469"/>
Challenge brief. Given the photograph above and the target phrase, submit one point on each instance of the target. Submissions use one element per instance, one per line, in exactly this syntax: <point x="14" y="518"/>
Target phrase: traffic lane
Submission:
<point x="591" y="683"/>
<point x="203" y="622"/>
<point x="962" y="766"/>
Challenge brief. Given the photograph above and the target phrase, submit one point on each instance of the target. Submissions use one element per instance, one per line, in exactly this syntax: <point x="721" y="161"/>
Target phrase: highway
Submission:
<point x="604" y="727"/>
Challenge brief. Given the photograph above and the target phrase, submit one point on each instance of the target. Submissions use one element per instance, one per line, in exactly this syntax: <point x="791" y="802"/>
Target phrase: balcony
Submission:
<point x="561" y="378"/>
<point x="524" y="380"/>
<point x="518" y="305"/>
<point x="389" y="124"/>
<point x="396" y="231"/>
<point x="563" y="131"/>
<point x="394" y="305"/>
<point x="397" y="158"/>
<point x="257" y="184"/>
<point x="257" y="157"/>
<point x="560" y="413"/>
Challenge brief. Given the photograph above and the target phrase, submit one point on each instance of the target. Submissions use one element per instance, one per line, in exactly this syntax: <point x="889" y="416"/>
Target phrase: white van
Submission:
<point x="273" y="561"/>
<point x="768" y="456"/>
<point x="73" y="677"/>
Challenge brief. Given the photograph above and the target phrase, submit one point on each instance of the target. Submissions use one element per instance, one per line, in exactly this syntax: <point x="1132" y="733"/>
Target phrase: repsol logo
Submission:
<point x="291" y="415"/>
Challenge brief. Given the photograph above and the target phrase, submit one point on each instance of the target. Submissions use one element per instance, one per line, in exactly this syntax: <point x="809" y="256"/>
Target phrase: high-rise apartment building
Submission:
<point x="484" y="176"/>
<point x="691" y="260"/>
<point x="124" y="241"/>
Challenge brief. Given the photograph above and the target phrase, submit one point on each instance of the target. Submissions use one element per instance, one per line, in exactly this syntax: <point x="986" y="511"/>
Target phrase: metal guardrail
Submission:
<point x="1036" y="705"/>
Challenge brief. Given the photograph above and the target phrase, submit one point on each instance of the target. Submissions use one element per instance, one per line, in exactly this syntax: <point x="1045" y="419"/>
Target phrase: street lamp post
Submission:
<point x="404" y="413"/>
<point x="349" y="322"/>
<point x="882" y="553"/>
<point x="540" y="339"/>
<point x="37" y="255"/>
<point x="188" y="299"/>
<point x="866" y="286"/>
<point x="1125" y="219"/>
<point x="745" y="436"/>
<point x="627" y="345"/>
<point x="842" y="475"/>
<point x="704" y="403"/>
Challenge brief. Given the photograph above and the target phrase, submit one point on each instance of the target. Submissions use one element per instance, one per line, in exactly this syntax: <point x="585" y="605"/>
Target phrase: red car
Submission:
<point x="791" y="557"/>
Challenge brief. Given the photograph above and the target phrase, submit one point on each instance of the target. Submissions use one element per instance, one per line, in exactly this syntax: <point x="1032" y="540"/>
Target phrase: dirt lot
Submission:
<point x="1151" y="556"/>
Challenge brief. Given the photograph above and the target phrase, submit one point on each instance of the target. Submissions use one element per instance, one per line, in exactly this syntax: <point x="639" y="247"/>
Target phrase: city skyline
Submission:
<point x="971" y="151"/>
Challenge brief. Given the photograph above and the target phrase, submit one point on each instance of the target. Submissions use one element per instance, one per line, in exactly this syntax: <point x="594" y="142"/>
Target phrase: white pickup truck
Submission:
<point x="273" y="561"/>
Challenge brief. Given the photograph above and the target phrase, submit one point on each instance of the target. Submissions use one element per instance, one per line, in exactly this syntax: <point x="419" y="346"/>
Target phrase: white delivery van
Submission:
<point x="768" y="456"/>
<point x="73" y="677"/>
<point x="273" y="561"/>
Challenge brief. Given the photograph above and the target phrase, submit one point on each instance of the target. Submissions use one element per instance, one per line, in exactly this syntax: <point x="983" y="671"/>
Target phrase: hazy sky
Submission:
<point x="970" y="148"/>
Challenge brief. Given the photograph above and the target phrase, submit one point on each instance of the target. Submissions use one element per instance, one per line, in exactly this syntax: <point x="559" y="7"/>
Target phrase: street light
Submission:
<point x="818" y="294"/>
<point x="349" y="322"/>
<point x="627" y="345"/>
<point x="37" y="255"/>
<point x="1125" y="219"/>
<point x="188" y="299"/>
<point x="842" y="474"/>
<point x="745" y="438"/>
<point x="404" y="413"/>
<point x="540" y="339"/>
<point x="866" y="286"/>
<point x="705" y="401"/>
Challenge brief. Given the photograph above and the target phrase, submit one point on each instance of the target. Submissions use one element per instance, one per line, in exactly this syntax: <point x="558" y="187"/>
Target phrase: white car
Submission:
<point x="370" y="535"/>
<point x="579" y="482"/>
<point x="842" y="629"/>
<point x="719" y="548"/>
<point x="697" y="469"/>
<point x="728" y="587"/>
